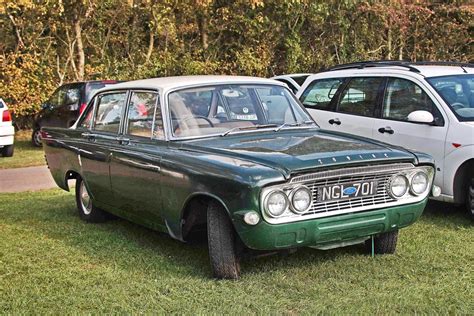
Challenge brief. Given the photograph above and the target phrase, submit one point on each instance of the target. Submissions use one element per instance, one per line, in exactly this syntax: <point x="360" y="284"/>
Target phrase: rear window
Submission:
<point x="92" y="87"/>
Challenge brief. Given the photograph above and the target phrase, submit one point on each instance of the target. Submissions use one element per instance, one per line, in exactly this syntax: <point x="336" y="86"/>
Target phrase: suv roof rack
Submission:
<point x="399" y="63"/>
<point x="374" y="63"/>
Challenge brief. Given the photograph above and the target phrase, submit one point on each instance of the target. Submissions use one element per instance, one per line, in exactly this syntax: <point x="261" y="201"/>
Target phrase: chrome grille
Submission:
<point x="381" y="197"/>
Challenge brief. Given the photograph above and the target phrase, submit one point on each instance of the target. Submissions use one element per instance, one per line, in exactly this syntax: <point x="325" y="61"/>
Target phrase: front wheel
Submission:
<point x="36" y="138"/>
<point x="222" y="242"/>
<point x="385" y="243"/>
<point x="470" y="198"/>
<point x="7" y="151"/>
<point x="85" y="205"/>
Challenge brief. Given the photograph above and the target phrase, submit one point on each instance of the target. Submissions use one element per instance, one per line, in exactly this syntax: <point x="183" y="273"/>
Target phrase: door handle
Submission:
<point x="334" y="121"/>
<point x="123" y="140"/>
<point x="88" y="135"/>
<point x="387" y="130"/>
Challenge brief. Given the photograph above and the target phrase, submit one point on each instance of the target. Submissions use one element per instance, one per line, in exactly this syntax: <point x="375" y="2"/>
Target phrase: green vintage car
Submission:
<point x="240" y="159"/>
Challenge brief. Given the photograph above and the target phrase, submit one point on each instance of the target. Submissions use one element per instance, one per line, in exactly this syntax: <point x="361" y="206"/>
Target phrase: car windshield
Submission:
<point x="458" y="92"/>
<point x="224" y="109"/>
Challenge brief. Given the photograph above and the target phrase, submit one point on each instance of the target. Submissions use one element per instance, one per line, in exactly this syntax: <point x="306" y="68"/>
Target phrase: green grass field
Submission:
<point x="51" y="262"/>
<point x="25" y="154"/>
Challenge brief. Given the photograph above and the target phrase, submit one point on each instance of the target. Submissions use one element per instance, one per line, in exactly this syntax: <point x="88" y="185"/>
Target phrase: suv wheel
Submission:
<point x="470" y="198"/>
<point x="222" y="242"/>
<point x="7" y="151"/>
<point x="85" y="205"/>
<point x="385" y="243"/>
<point x="36" y="138"/>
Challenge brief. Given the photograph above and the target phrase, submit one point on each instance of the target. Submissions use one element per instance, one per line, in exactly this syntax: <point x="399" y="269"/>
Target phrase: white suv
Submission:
<point x="427" y="107"/>
<point x="7" y="131"/>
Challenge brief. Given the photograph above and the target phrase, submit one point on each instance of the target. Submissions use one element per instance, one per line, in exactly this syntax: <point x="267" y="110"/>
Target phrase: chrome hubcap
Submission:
<point x="86" y="201"/>
<point x="38" y="137"/>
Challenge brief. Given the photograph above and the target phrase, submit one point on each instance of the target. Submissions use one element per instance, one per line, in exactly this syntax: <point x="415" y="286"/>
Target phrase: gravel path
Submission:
<point x="25" y="179"/>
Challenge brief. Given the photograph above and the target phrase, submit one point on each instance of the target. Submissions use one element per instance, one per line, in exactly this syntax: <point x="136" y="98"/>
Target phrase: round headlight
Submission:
<point x="276" y="203"/>
<point x="398" y="186"/>
<point x="419" y="183"/>
<point x="300" y="200"/>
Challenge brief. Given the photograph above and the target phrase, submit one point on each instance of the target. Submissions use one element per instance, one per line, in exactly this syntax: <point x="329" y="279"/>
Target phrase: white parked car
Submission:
<point x="426" y="107"/>
<point x="7" y="131"/>
<point x="293" y="81"/>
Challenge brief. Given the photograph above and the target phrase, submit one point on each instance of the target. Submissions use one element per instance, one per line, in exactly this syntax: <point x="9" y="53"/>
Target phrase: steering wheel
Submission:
<point x="457" y="106"/>
<point x="198" y="117"/>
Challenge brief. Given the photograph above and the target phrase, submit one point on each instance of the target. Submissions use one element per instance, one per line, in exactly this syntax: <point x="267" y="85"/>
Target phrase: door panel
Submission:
<point x="135" y="162"/>
<point x="401" y="98"/>
<point x="96" y="150"/>
<point x="357" y="106"/>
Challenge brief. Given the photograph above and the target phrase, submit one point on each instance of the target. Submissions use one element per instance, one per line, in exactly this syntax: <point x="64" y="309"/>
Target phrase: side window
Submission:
<point x="109" y="112"/>
<point x="87" y="118"/>
<point x="72" y="96"/>
<point x="403" y="97"/>
<point x="319" y="93"/>
<point x="360" y="96"/>
<point x="141" y="115"/>
<point x="289" y="84"/>
<point x="57" y="98"/>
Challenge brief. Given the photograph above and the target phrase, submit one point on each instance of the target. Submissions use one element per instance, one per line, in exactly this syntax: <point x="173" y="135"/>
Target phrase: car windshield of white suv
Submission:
<point x="225" y="109"/>
<point x="458" y="92"/>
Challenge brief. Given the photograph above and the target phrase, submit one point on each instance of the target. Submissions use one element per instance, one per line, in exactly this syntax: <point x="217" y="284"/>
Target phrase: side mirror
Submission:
<point x="424" y="117"/>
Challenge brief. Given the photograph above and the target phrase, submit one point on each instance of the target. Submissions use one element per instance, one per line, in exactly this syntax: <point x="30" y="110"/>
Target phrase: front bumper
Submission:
<point x="327" y="230"/>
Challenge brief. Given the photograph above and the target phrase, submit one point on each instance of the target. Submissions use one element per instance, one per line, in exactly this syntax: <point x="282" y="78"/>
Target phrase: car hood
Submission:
<point x="299" y="150"/>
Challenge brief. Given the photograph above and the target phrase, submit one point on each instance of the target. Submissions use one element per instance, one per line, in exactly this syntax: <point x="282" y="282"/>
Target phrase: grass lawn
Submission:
<point x="51" y="262"/>
<point x="25" y="154"/>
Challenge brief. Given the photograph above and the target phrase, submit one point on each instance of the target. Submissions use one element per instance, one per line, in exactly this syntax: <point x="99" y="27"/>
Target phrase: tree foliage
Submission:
<point x="48" y="42"/>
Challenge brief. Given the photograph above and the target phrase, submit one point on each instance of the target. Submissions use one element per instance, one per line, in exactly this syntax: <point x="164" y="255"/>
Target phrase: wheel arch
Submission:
<point x="194" y="211"/>
<point x="69" y="175"/>
<point x="464" y="171"/>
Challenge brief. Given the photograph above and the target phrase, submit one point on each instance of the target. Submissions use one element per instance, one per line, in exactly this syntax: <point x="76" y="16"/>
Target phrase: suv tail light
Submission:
<point x="82" y="108"/>
<point x="6" y="117"/>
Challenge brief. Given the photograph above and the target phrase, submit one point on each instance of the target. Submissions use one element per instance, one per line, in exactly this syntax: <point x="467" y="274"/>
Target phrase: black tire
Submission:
<point x="223" y="243"/>
<point x="36" y="138"/>
<point x="385" y="243"/>
<point x="470" y="198"/>
<point x="88" y="213"/>
<point x="7" y="151"/>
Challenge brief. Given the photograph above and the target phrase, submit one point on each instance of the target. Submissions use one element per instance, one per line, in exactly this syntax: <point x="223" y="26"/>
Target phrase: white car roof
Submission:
<point x="167" y="83"/>
<point x="425" y="71"/>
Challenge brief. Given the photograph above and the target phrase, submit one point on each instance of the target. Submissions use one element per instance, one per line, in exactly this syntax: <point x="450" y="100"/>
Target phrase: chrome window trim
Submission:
<point x="289" y="216"/>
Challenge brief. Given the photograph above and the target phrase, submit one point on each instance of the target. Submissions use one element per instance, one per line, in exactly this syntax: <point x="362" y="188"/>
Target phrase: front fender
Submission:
<point x="452" y="162"/>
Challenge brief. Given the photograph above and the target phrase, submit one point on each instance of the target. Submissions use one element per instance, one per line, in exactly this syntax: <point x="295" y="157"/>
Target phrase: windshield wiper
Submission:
<point x="243" y="128"/>
<point x="293" y="124"/>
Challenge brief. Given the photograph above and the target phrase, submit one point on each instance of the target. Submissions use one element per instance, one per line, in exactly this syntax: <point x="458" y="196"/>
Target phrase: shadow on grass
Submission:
<point x="446" y="214"/>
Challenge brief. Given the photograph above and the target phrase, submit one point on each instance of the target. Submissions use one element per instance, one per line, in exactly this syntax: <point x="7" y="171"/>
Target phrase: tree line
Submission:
<point x="49" y="42"/>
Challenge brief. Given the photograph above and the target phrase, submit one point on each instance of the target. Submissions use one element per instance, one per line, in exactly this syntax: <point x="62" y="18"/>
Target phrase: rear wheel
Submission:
<point x="36" y="138"/>
<point x="470" y="198"/>
<point x="7" y="151"/>
<point x="85" y="205"/>
<point x="385" y="243"/>
<point x="223" y="243"/>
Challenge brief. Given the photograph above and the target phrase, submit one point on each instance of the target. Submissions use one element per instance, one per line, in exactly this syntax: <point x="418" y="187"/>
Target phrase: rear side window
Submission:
<point x="403" y="97"/>
<point x="289" y="84"/>
<point x="142" y="115"/>
<point x="300" y="79"/>
<point x="109" y="112"/>
<point x="359" y="97"/>
<point x="319" y="93"/>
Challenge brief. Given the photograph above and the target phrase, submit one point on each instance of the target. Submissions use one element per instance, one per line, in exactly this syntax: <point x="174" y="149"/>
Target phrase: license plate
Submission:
<point x="348" y="190"/>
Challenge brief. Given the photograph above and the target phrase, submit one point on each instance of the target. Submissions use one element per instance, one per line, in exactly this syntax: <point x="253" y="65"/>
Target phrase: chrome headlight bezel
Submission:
<point x="392" y="180"/>
<point x="292" y="196"/>
<point x="267" y="198"/>
<point x="427" y="182"/>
